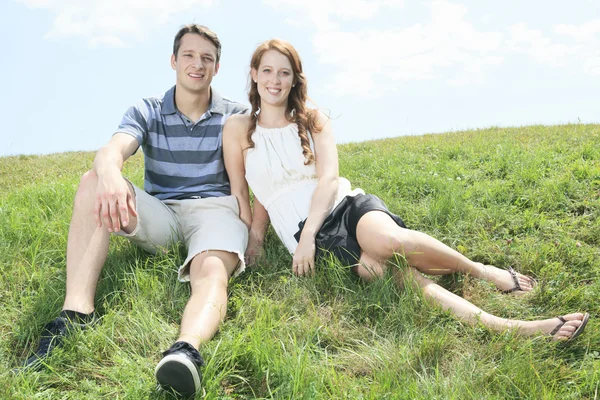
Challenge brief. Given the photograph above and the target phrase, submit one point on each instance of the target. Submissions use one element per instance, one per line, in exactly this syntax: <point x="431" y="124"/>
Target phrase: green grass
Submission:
<point x="526" y="197"/>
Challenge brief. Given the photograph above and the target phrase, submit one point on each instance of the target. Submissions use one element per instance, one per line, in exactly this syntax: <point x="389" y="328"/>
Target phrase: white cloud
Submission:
<point x="377" y="59"/>
<point x="576" y="52"/>
<point x="535" y="44"/>
<point x="581" y="33"/>
<point x="591" y="66"/>
<point x="325" y="14"/>
<point x="111" y="22"/>
<point x="106" y="40"/>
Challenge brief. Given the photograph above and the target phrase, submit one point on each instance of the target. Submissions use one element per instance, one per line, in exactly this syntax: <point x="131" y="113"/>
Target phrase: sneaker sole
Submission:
<point x="179" y="373"/>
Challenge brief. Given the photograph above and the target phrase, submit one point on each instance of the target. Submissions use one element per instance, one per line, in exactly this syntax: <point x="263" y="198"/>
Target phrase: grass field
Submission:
<point x="525" y="197"/>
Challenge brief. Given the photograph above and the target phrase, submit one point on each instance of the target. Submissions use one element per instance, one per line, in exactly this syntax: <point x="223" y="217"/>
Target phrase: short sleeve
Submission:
<point x="135" y="121"/>
<point x="241" y="109"/>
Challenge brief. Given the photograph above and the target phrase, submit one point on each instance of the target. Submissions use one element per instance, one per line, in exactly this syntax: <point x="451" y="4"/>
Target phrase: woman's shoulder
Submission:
<point x="238" y="121"/>
<point x="319" y="121"/>
<point x="320" y="118"/>
<point x="237" y="125"/>
<point x="318" y="114"/>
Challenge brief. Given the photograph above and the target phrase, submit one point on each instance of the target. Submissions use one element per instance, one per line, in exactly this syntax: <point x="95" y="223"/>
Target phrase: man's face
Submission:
<point x="195" y="63"/>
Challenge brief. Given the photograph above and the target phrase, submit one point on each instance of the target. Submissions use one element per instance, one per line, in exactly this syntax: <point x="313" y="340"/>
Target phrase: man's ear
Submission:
<point x="173" y="61"/>
<point x="217" y="68"/>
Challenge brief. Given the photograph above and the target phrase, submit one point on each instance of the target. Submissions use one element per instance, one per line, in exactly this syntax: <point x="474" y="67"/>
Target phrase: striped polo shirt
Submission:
<point x="183" y="158"/>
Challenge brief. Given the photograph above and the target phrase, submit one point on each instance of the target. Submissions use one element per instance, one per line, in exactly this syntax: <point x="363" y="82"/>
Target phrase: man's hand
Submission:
<point x="114" y="202"/>
<point x="303" y="262"/>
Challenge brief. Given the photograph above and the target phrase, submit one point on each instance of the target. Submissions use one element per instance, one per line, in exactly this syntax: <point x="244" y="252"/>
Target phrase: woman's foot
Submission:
<point x="509" y="281"/>
<point x="566" y="327"/>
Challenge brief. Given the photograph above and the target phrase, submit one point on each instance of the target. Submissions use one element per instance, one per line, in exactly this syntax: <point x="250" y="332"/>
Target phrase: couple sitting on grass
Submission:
<point x="201" y="154"/>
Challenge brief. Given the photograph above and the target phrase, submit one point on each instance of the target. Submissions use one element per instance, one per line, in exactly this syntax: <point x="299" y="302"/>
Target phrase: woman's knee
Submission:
<point x="398" y="242"/>
<point x="411" y="276"/>
<point x="369" y="272"/>
<point x="369" y="267"/>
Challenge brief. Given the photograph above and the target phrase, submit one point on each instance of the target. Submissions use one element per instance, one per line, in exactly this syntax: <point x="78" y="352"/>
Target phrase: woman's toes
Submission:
<point x="525" y="283"/>
<point x="566" y="331"/>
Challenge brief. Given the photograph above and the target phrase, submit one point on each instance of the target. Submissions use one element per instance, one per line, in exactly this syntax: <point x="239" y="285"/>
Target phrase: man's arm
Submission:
<point x="114" y="202"/>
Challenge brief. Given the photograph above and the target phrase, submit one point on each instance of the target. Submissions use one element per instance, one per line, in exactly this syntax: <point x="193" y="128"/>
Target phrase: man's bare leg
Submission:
<point x="87" y="248"/>
<point x="206" y="308"/>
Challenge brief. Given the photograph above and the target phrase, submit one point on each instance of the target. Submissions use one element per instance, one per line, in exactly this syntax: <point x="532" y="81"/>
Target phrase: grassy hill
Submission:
<point x="526" y="197"/>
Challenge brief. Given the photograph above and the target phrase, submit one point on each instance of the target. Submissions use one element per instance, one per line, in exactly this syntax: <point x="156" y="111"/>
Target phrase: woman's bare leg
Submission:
<point x="382" y="238"/>
<point x="468" y="312"/>
<point x="371" y="268"/>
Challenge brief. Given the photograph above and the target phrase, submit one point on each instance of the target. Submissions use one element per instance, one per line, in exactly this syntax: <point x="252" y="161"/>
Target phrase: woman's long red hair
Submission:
<point x="306" y="119"/>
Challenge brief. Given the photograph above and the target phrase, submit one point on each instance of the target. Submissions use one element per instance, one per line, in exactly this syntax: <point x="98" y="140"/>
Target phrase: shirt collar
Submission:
<point x="168" y="106"/>
<point x="216" y="102"/>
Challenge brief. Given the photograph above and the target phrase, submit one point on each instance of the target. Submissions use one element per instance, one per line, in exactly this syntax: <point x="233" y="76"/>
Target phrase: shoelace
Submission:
<point x="52" y="330"/>
<point x="188" y="350"/>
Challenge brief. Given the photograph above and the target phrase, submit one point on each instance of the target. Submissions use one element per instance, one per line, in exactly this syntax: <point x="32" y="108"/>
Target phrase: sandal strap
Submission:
<point x="513" y="275"/>
<point x="560" y="325"/>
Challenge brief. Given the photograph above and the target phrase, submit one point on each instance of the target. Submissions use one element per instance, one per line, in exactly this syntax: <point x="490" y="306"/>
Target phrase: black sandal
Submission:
<point x="515" y="279"/>
<point x="577" y="332"/>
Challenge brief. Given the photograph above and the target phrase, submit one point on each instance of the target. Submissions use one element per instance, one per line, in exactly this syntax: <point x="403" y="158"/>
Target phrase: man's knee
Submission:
<point x="86" y="189"/>
<point x="88" y="179"/>
<point x="213" y="266"/>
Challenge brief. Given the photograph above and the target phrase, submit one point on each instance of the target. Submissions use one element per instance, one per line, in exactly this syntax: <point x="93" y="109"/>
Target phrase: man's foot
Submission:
<point x="509" y="280"/>
<point x="180" y="369"/>
<point x="54" y="333"/>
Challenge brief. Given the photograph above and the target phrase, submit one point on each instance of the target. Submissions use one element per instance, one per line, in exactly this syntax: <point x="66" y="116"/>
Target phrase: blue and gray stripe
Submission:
<point x="182" y="158"/>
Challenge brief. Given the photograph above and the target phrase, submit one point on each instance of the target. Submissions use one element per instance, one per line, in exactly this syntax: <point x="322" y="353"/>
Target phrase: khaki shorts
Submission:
<point x="202" y="224"/>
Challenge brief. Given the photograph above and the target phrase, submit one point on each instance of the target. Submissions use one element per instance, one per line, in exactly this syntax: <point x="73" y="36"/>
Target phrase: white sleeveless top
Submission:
<point x="279" y="179"/>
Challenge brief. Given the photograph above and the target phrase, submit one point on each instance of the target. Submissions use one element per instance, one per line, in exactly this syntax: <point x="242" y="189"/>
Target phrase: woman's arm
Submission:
<point x="260" y="223"/>
<point x="326" y="162"/>
<point x="234" y="135"/>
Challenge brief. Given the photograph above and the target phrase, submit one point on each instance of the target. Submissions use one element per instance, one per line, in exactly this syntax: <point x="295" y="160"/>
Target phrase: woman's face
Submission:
<point x="274" y="78"/>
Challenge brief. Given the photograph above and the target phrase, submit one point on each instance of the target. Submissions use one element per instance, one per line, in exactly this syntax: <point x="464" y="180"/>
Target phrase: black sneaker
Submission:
<point x="180" y="369"/>
<point x="54" y="333"/>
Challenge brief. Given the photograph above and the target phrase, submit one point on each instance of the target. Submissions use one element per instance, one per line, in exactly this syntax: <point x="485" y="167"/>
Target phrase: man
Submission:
<point x="186" y="199"/>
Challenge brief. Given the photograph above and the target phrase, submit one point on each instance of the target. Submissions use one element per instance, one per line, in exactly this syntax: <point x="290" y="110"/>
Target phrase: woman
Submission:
<point x="287" y="154"/>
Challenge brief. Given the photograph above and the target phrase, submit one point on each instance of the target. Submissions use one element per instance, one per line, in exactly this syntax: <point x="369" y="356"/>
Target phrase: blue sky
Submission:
<point x="381" y="67"/>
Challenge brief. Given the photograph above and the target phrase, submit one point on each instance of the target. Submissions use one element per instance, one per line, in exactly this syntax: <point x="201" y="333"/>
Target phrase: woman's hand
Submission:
<point x="303" y="262"/>
<point x="254" y="251"/>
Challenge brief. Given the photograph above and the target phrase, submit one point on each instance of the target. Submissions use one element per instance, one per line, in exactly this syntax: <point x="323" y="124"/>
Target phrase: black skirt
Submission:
<point x="338" y="232"/>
